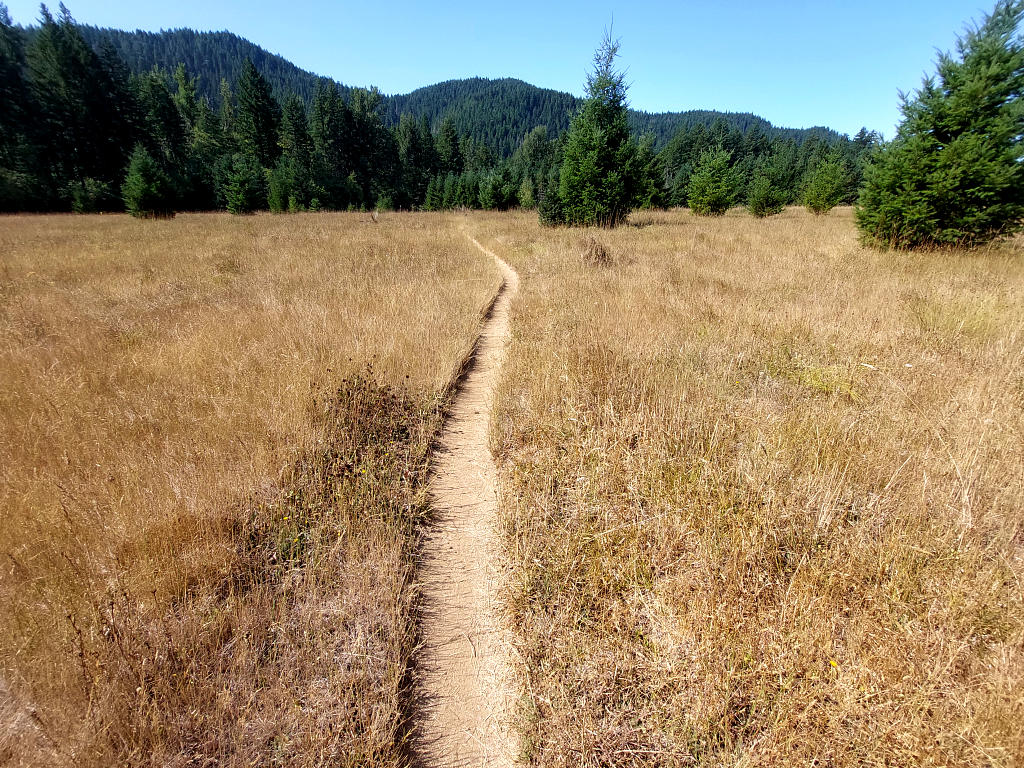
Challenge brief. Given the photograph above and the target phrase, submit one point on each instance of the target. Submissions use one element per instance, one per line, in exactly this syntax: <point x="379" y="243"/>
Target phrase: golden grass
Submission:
<point x="209" y="499"/>
<point x="763" y="494"/>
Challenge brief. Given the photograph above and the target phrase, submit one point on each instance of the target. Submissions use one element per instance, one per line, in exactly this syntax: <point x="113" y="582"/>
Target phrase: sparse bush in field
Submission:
<point x="825" y="186"/>
<point x="954" y="174"/>
<point x="595" y="253"/>
<point x="147" y="189"/>
<point x="92" y="196"/>
<point x="714" y="184"/>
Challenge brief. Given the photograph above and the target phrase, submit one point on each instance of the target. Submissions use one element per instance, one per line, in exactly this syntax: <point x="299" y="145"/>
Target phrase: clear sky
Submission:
<point x="799" y="63"/>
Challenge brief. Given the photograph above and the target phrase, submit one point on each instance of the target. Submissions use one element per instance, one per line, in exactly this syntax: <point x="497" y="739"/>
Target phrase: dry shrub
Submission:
<point x="210" y="499"/>
<point x="762" y="496"/>
<point x="594" y="253"/>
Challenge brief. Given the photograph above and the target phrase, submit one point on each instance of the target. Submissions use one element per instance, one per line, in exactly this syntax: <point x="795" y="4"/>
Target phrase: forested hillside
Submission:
<point x="496" y="112"/>
<point x="212" y="56"/>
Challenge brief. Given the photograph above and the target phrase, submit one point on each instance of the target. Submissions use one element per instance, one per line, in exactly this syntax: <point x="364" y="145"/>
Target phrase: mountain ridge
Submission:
<point x="498" y="111"/>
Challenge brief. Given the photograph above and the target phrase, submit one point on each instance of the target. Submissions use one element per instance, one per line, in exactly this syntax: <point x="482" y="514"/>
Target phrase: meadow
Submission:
<point x="213" y="444"/>
<point x="761" y="488"/>
<point x="763" y="494"/>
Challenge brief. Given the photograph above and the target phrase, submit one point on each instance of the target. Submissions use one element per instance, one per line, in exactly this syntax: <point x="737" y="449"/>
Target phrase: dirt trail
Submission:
<point x="464" y="672"/>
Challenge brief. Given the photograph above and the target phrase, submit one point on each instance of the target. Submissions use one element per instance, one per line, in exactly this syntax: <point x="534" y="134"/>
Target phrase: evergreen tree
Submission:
<point x="226" y="108"/>
<point x="599" y="175"/>
<point x="257" y="118"/>
<point x="83" y="134"/>
<point x="549" y="204"/>
<point x="244" y="184"/>
<point x="163" y="131"/>
<point x="449" y="199"/>
<point x="448" y="151"/>
<point x="650" y="187"/>
<point x="764" y="195"/>
<point x="955" y="172"/>
<point x="826" y="186"/>
<point x="432" y="202"/>
<point x="373" y="149"/>
<point x="714" y="184"/>
<point x="185" y="98"/>
<point x="294" y="169"/>
<point x="19" y="170"/>
<point x="331" y="129"/>
<point x="147" y="191"/>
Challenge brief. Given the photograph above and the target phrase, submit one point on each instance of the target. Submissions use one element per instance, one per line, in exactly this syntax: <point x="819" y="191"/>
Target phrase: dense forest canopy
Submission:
<point x="98" y="119"/>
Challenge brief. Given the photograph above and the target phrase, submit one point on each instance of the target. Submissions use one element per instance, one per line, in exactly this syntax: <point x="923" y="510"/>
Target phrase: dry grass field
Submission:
<point x="762" y="489"/>
<point x="213" y="441"/>
<point x="763" y="495"/>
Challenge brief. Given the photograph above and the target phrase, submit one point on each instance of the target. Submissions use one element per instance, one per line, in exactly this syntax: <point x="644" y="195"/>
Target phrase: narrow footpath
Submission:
<point x="463" y="665"/>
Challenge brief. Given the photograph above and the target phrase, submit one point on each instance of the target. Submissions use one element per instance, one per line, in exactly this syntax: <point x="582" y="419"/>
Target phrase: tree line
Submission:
<point x="81" y="132"/>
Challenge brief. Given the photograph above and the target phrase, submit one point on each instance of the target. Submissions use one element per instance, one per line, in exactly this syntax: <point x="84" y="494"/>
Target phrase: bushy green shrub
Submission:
<point x="825" y="186"/>
<point x="764" y="196"/>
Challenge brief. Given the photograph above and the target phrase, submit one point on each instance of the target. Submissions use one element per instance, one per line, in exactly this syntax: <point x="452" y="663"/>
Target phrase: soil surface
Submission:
<point x="463" y="664"/>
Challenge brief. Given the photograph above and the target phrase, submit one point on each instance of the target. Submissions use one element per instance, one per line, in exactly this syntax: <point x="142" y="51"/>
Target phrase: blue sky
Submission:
<point x="798" y="63"/>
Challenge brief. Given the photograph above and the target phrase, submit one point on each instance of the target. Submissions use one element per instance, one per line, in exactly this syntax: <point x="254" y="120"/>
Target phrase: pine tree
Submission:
<point x="448" y="150"/>
<point x="826" y="185"/>
<point x="714" y="184"/>
<point x="764" y="195"/>
<point x="549" y="203"/>
<point x="19" y="171"/>
<point x="83" y="133"/>
<point x="954" y="174"/>
<point x="599" y="175"/>
<point x="244" y="185"/>
<point x="650" y="187"/>
<point x="295" y="165"/>
<point x="185" y="98"/>
<point x="147" y="191"/>
<point x="226" y="108"/>
<point x="449" y="199"/>
<point x="258" y="117"/>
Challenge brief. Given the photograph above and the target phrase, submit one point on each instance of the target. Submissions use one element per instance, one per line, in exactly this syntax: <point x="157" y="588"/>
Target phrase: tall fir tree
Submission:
<point x="147" y="190"/>
<point x="84" y="135"/>
<point x="295" y="166"/>
<point x="448" y="150"/>
<point x="257" y="117"/>
<point x="600" y="176"/>
<point x="18" y="166"/>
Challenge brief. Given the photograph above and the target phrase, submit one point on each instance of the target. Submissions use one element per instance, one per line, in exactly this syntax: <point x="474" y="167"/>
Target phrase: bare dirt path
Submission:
<point x="464" y="671"/>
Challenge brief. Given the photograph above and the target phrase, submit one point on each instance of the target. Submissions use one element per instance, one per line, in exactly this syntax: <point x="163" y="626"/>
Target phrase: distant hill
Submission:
<point x="499" y="112"/>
